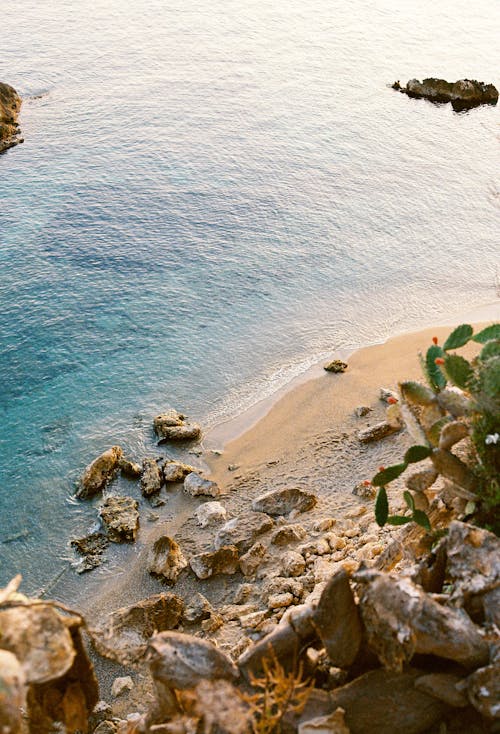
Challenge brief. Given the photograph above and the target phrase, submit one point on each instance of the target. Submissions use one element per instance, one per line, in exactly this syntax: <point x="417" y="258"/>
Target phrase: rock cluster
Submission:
<point x="464" y="94"/>
<point x="10" y="105"/>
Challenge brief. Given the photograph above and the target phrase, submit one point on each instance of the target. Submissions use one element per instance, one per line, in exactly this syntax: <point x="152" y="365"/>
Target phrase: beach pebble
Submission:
<point x="197" y="486"/>
<point x="327" y="523"/>
<point x="288" y="534"/>
<point x="253" y="620"/>
<point x="283" y="501"/>
<point x="357" y="512"/>
<point x="165" y="559"/>
<point x="225" y="560"/>
<point x="121" y="685"/>
<point x="152" y="478"/>
<point x="319" y="547"/>
<point x="277" y="601"/>
<point x="281" y="585"/>
<point x="365" y="491"/>
<point x="292" y="564"/>
<point x="212" y="623"/>
<point x="335" y="541"/>
<point x="242" y="531"/>
<point x="210" y="513"/>
<point x="333" y="723"/>
<point x="253" y="559"/>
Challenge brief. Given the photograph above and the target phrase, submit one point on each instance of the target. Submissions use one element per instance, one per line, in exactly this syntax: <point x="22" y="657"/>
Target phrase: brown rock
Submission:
<point x="99" y="473"/>
<point x="130" y="469"/>
<point x="444" y="687"/>
<point x="331" y="724"/>
<point x="181" y="661"/>
<point x="337" y="621"/>
<point x="10" y="105"/>
<point x="292" y="564"/>
<point x="91" y="548"/>
<point x="473" y="559"/>
<point x="379" y="702"/>
<point x="421" y="480"/>
<point x="242" y="531"/>
<point x="185" y="432"/>
<point x="123" y="635"/>
<point x="166" y="420"/>
<point x="377" y="432"/>
<point x="253" y="559"/>
<point x="176" y="471"/>
<point x="12" y="693"/>
<point x="336" y="366"/>
<point x="152" y="478"/>
<point x="165" y="559"/>
<point x="196" y="486"/>
<point x="282" y="643"/>
<point x="225" y="560"/>
<point x="121" y="518"/>
<point x="288" y="534"/>
<point x="483" y="690"/>
<point x="283" y="501"/>
<point x="400" y="620"/>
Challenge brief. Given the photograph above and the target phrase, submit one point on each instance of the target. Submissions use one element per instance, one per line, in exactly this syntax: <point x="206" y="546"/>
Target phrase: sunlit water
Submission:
<point x="210" y="195"/>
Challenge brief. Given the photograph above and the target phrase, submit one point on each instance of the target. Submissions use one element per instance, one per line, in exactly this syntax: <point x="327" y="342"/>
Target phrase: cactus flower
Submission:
<point x="366" y="483"/>
<point x="439" y="360"/>
<point x="492" y="438"/>
<point x="381" y="468"/>
<point x="392" y="401"/>
<point x="435" y="339"/>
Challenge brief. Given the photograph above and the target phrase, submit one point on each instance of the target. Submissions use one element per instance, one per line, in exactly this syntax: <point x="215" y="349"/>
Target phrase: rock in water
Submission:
<point x="152" y="478"/>
<point x="91" y="548"/>
<point x="165" y="559"/>
<point x="99" y="472"/>
<point x="124" y="633"/>
<point x="464" y="94"/>
<point x="121" y="518"/>
<point x="171" y="426"/>
<point x="10" y="105"/>
<point x="176" y="471"/>
<point x="181" y="661"/>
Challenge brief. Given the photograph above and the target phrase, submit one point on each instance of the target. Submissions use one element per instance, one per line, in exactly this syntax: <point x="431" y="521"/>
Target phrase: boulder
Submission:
<point x="444" y="687"/>
<point x="196" y="486"/>
<point x="197" y="609"/>
<point x="91" y="548"/>
<point x="152" y="477"/>
<point x="288" y="534"/>
<point x="225" y="560"/>
<point x="176" y="471"/>
<point x="463" y="94"/>
<point x="181" y="661"/>
<point x="165" y="559"/>
<point x="10" y="105"/>
<point x="333" y="723"/>
<point x="99" y="473"/>
<point x="178" y="432"/>
<point x="12" y="693"/>
<point x="292" y="564"/>
<point x="123" y="635"/>
<point x="121" y="518"/>
<point x="283" y="501"/>
<point x="337" y="621"/>
<point x="253" y="559"/>
<point x="473" y="563"/>
<point x="166" y="420"/>
<point x="130" y="469"/>
<point x="121" y="685"/>
<point x="210" y="513"/>
<point x="400" y="619"/>
<point x="242" y="531"/>
<point x="336" y="366"/>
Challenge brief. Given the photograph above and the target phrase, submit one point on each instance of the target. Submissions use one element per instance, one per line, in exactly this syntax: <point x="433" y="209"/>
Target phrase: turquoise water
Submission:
<point x="209" y="196"/>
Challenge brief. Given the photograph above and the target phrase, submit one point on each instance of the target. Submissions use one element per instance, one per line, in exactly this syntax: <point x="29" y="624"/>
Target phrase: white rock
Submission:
<point x="196" y="486"/>
<point x="121" y="685"/>
<point x="210" y="513"/>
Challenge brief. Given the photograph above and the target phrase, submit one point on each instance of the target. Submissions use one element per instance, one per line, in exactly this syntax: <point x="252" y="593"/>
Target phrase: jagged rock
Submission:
<point x="225" y="560"/>
<point x="283" y="501"/>
<point x="10" y="105"/>
<point x="99" y="473"/>
<point x="288" y="534"/>
<point x="101" y="711"/>
<point x="167" y="420"/>
<point x="377" y="432"/>
<point x="444" y="687"/>
<point x="378" y="702"/>
<point x="123" y="635"/>
<point x="292" y="564"/>
<point x="333" y="723"/>
<point x="198" y="609"/>
<point x="400" y="620"/>
<point x="421" y="480"/>
<point x="181" y="661"/>
<point x="130" y="469"/>
<point x="327" y="523"/>
<point x="210" y="513"/>
<point x="336" y="366"/>
<point x="185" y="432"/>
<point x="121" y="518"/>
<point x="242" y="531"/>
<point x="462" y="94"/>
<point x="483" y="690"/>
<point x="121" y="686"/>
<point x="253" y="559"/>
<point x="231" y="612"/>
<point x="152" y="478"/>
<point x="337" y="621"/>
<point x="165" y="559"/>
<point x="473" y="563"/>
<point x="196" y="486"/>
<point x="176" y="471"/>
<point x="39" y="638"/>
<point x="91" y="548"/>
<point x="12" y="693"/>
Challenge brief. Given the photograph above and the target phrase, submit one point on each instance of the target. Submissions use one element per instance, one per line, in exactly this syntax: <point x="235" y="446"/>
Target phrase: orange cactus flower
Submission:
<point x="439" y="360"/>
<point x="435" y="339"/>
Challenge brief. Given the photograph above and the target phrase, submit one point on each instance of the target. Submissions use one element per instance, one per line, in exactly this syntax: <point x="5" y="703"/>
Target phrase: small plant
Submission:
<point x="461" y="399"/>
<point x="277" y="693"/>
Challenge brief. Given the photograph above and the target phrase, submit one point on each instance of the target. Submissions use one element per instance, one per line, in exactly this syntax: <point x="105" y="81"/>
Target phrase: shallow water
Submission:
<point x="209" y="196"/>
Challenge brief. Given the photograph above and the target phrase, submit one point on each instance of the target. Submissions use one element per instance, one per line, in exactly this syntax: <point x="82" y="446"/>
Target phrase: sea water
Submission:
<point x="210" y="195"/>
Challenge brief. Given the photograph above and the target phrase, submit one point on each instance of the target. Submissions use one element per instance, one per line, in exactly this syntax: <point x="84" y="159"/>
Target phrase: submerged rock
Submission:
<point x="10" y="105"/>
<point x="196" y="486"/>
<point x="91" y="548"/>
<point x="181" y="661"/>
<point x="130" y="469"/>
<point x="123" y="635"/>
<point x="121" y="518"/>
<point x="165" y="559"/>
<point x="99" y="472"/>
<point x="283" y="501"/>
<point x="463" y="94"/>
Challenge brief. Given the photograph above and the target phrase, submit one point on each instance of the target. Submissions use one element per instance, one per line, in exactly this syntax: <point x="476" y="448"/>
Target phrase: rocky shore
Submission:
<point x="463" y="94"/>
<point x="10" y="105"/>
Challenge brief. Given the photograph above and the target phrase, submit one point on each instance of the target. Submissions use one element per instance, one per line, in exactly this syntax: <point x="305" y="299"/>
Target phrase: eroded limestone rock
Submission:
<point x="244" y="530"/>
<point x="473" y="560"/>
<point x="99" y="472"/>
<point x="210" y="513"/>
<point x="196" y="486"/>
<point x="253" y="559"/>
<point x="176" y="471"/>
<point x="91" y="548"/>
<point x="463" y="94"/>
<point x="152" y="477"/>
<point x="121" y="518"/>
<point x="165" y="559"/>
<point x="283" y="501"/>
<point x="225" y="560"/>
<point x="288" y="534"/>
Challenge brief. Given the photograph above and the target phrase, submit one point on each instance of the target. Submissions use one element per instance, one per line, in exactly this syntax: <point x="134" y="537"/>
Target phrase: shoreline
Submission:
<point x="304" y="437"/>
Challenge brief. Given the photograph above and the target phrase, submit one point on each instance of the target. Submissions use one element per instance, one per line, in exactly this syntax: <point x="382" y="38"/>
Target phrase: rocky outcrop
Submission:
<point x="91" y="549"/>
<point x="121" y="518"/>
<point x="464" y="94"/>
<point x="176" y="471"/>
<point x="10" y="105"/>
<point x="99" y="473"/>
<point x="172" y="426"/>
